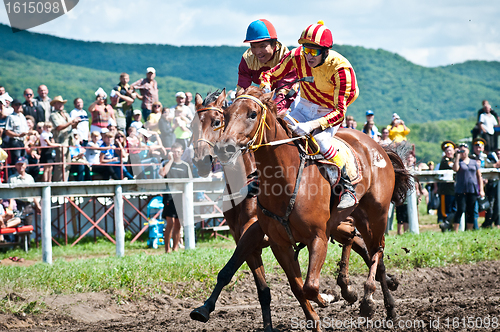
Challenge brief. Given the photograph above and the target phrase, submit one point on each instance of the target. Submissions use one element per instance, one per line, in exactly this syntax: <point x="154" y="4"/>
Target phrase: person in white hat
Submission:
<point x="136" y="116"/>
<point x="100" y="111"/>
<point x="180" y="98"/>
<point x="148" y="89"/>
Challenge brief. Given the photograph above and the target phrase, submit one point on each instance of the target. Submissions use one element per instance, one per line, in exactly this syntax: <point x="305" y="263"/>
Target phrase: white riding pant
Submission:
<point x="303" y="111"/>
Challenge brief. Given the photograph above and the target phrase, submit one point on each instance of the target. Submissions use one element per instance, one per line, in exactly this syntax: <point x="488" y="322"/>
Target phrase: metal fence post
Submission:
<point x="413" y="210"/>
<point x="46" y="226"/>
<point x="119" y="227"/>
<point x="187" y="211"/>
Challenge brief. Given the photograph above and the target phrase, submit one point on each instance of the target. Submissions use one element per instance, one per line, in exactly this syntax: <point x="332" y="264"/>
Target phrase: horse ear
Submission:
<point x="267" y="96"/>
<point x="240" y="92"/>
<point x="221" y="99"/>
<point x="198" y="100"/>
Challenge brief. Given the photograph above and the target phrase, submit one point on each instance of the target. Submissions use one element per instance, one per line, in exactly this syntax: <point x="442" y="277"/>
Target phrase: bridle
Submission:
<point x="211" y="108"/>
<point x="259" y="133"/>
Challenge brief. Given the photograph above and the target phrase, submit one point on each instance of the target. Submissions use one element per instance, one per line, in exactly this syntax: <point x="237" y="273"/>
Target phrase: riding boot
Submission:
<point x="348" y="197"/>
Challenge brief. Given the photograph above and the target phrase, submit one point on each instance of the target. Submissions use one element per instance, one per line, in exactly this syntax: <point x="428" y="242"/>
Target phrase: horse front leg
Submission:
<point x="285" y="257"/>
<point x="250" y="241"/>
<point x="317" y="255"/>
<point x="263" y="291"/>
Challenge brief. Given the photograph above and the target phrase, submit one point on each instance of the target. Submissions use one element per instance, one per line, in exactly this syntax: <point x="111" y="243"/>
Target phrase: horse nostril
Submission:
<point x="231" y="148"/>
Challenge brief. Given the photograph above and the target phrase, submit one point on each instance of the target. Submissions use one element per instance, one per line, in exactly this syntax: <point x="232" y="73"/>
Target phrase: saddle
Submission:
<point x="346" y="157"/>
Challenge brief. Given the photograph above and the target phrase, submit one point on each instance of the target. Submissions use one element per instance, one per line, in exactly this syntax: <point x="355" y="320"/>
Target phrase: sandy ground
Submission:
<point x="454" y="298"/>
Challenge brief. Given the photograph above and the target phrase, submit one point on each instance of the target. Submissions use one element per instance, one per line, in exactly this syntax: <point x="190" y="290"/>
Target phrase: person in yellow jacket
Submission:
<point x="397" y="129"/>
<point x="322" y="105"/>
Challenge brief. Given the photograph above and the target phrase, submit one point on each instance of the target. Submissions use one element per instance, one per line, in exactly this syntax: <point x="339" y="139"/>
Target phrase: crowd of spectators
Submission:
<point x="110" y="139"/>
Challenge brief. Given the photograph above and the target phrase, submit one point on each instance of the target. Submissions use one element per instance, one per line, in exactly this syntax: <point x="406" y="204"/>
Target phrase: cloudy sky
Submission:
<point x="426" y="32"/>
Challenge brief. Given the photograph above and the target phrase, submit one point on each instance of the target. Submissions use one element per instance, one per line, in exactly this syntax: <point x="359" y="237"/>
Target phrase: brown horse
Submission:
<point x="250" y="123"/>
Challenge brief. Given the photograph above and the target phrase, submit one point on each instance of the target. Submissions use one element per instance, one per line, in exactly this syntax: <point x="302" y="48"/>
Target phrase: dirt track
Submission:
<point x="450" y="294"/>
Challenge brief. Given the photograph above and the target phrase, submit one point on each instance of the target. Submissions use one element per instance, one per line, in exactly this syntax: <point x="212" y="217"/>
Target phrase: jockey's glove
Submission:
<point x="301" y="128"/>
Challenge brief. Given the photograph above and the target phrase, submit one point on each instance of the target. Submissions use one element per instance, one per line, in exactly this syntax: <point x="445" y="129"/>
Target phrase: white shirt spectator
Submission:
<point x="489" y="121"/>
<point x="83" y="125"/>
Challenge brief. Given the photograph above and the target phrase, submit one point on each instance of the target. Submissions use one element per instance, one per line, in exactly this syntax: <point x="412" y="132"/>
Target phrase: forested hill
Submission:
<point x="388" y="83"/>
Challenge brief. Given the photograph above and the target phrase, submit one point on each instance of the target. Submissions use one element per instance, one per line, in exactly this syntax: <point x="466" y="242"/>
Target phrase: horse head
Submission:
<point x="245" y="123"/>
<point x="206" y="127"/>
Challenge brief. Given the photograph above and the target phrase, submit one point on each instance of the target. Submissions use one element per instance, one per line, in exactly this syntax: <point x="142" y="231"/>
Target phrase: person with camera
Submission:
<point x="468" y="186"/>
<point x="397" y="129"/>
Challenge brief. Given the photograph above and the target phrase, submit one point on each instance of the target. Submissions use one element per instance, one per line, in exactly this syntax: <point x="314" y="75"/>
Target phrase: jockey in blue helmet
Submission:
<point x="264" y="53"/>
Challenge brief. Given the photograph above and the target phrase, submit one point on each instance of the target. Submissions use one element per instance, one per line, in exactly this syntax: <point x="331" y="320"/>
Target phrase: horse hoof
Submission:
<point x="200" y="314"/>
<point x="391" y="314"/>
<point x="367" y="308"/>
<point x="392" y="282"/>
<point x="349" y="296"/>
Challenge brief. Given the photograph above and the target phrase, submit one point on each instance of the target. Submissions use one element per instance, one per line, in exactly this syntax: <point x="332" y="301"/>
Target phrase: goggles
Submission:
<point x="312" y="51"/>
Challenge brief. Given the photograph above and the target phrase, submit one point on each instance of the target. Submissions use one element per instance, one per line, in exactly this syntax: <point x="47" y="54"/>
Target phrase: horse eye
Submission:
<point x="216" y="123"/>
<point x="253" y="115"/>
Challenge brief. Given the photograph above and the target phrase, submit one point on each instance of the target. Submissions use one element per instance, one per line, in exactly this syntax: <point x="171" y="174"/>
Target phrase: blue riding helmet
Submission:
<point x="260" y="30"/>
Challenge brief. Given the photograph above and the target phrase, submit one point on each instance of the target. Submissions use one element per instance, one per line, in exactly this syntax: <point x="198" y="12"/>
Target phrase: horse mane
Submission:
<point x="271" y="106"/>
<point x="212" y="98"/>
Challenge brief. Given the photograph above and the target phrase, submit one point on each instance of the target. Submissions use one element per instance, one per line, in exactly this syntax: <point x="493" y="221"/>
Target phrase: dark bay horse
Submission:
<point x="240" y="212"/>
<point x="250" y="123"/>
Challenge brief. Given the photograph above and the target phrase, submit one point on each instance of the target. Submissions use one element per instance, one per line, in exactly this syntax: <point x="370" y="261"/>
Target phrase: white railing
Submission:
<point x="117" y="189"/>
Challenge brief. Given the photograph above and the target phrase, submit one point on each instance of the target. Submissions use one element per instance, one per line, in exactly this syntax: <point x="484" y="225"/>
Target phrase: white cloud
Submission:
<point x="426" y="32"/>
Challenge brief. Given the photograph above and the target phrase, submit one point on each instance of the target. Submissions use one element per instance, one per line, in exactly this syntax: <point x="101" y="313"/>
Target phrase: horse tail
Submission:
<point x="404" y="180"/>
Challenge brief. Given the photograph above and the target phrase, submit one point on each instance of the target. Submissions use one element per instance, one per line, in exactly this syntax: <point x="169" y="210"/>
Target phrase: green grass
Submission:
<point x="90" y="267"/>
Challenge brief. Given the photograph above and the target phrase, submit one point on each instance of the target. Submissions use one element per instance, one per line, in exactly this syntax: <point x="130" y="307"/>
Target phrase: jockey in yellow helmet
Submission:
<point x="323" y="103"/>
<point x="264" y="53"/>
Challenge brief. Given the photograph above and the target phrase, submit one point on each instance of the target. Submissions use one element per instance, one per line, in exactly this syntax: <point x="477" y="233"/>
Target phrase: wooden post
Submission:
<point x="119" y="227"/>
<point x="46" y="226"/>
<point x="187" y="211"/>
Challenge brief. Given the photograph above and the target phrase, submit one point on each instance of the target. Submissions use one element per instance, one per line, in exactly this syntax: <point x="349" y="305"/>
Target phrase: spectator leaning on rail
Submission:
<point x="265" y="52"/>
<point x="468" y="185"/>
<point x="323" y="102"/>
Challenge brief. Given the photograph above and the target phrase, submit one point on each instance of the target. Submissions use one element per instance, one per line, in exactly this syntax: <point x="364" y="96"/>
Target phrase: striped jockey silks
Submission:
<point x="335" y="85"/>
